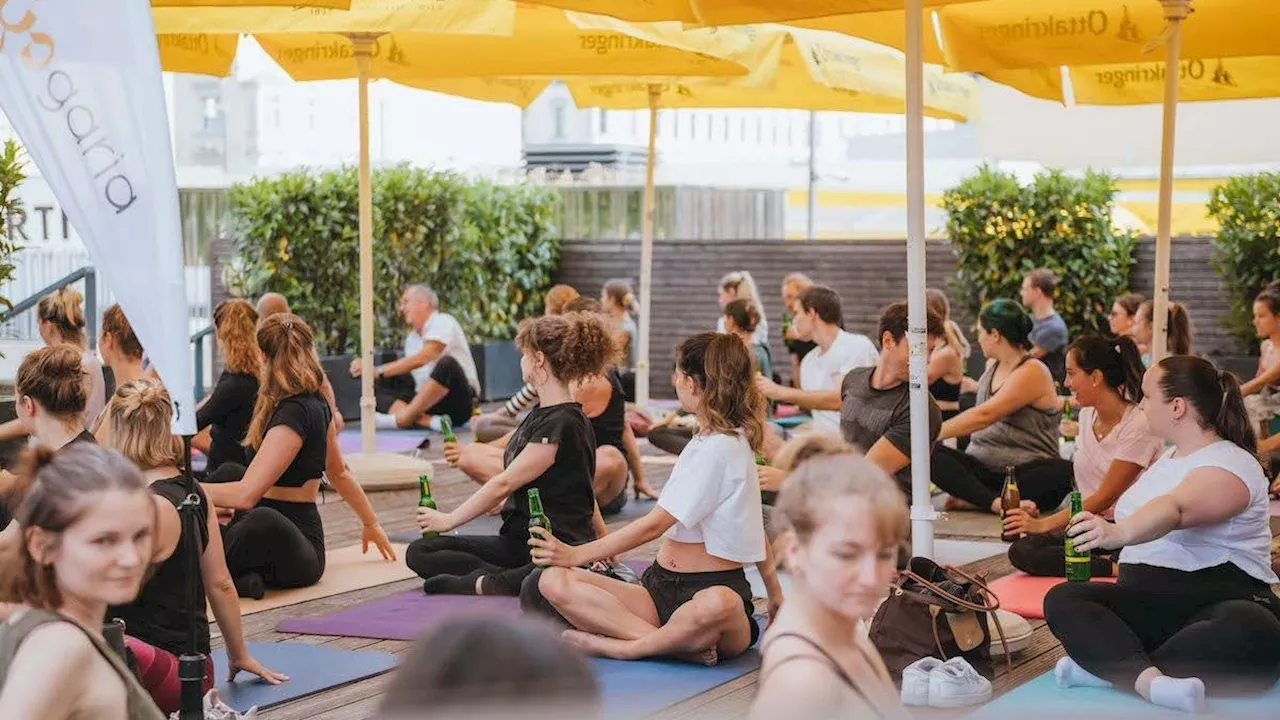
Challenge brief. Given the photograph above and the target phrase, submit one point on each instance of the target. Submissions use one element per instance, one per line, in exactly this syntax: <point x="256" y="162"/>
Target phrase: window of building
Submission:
<point x="558" y="119"/>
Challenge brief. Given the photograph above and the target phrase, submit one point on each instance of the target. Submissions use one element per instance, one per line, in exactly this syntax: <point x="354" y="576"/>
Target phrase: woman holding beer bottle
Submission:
<point x="694" y="602"/>
<point x="553" y="452"/>
<point x="1113" y="447"/>
<point x="1192" y="611"/>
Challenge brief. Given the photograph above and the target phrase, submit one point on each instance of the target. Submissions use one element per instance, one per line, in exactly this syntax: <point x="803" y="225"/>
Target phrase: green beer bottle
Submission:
<point x="766" y="497"/>
<point x="537" y="518"/>
<point x="426" y="501"/>
<point x="1079" y="568"/>
<point x="446" y="429"/>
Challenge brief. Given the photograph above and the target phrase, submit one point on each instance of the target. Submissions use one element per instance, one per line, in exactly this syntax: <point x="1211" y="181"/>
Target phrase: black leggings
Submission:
<point x="1044" y="482"/>
<point x="1217" y="624"/>
<point x="1045" y="556"/>
<point x="456" y="404"/>
<point x="505" y="561"/>
<point x="670" y="439"/>
<point x="266" y="542"/>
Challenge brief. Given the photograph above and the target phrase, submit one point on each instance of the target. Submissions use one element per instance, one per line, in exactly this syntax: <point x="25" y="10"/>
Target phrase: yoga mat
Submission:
<point x="345" y="570"/>
<point x="967" y="523"/>
<point x="1024" y="594"/>
<point x="402" y="616"/>
<point x="390" y="441"/>
<point x="405" y="615"/>
<point x="791" y="422"/>
<point x="640" y="688"/>
<point x="1043" y="699"/>
<point x="311" y="669"/>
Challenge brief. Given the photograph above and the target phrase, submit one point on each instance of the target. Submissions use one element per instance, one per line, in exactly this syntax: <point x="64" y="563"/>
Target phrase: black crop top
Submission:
<point x="227" y="413"/>
<point x="309" y="416"/>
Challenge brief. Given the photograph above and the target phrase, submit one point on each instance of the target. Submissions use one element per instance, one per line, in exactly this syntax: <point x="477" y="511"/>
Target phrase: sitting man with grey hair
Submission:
<point x="437" y="375"/>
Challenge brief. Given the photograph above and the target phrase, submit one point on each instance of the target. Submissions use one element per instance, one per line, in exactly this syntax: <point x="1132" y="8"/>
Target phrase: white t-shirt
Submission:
<point x="1244" y="540"/>
<point x="442" y="328"/>
<point x="1130" y="441"/>
<point x="826" y="370"/>
<point x="759" y="337"/>
<point x="715" y="498"/>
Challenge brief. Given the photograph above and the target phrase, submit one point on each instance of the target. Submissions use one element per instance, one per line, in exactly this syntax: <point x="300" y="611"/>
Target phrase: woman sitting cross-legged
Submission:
<point x="1192" y="610"/>
<point x="694" y="602"/>
<point x="276" y="538"/>
<point x="845" y="519"/>
<point x="1113" y="447"/>
<point x="553" y="451"/>
<point x="159" y="620"/>
<point x="224" y="416"/>
<point x="1014" y="424"/>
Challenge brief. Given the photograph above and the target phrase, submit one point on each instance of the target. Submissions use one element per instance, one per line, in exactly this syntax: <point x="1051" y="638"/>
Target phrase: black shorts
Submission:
<point x="457" y="402"/>
<point x="669" y="590"/>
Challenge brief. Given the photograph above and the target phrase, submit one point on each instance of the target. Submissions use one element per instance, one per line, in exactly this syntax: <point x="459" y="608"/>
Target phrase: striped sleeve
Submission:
<point x="523" y="400"/>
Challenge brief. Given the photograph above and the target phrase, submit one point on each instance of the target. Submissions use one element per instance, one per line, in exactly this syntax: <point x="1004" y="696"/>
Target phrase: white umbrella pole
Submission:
<point x="812" y="207"/>
<point x="362" y="49"/>
<point x="922" y="513"/>
<point x="646" y="254"/>
<point x="1175" y="11"/>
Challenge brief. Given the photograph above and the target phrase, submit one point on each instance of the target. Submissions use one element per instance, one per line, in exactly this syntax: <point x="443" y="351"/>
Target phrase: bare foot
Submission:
<point x="709" y="657"/>
<point x="593" y="644"/>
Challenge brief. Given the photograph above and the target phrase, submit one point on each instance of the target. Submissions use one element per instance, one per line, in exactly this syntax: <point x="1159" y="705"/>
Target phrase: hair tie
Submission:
<point x="288" y="324"/>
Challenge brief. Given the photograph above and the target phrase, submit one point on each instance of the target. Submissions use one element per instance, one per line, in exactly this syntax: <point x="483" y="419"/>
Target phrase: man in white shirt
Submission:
<point x="817" y="319"/>
<point x="437" y="375"/>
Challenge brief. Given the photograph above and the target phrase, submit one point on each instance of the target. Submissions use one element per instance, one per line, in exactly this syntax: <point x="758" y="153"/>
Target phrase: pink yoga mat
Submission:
<point x="1023" y="594"/>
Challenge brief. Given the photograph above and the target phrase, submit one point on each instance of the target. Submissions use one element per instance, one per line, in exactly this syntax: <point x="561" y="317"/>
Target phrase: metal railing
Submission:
<point x="198" y="341"/>
<point x="90" y="277"/>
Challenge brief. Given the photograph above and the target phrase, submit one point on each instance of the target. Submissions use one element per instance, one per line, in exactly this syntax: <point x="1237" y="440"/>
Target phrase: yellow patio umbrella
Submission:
<point x="391" y="40"/>
<point x="730" y="12"/>
<point x="1106" y="47"/>
<point x="323" y="4"/>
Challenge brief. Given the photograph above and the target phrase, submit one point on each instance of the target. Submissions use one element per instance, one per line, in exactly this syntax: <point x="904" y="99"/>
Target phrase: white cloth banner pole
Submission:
<point x="80" y="83"/>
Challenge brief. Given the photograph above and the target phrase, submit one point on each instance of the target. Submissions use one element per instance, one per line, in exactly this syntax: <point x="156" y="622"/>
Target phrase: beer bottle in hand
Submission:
<point x="766" y="497"/>
<point x="537" y="518"/>
<point x="426" y="501"/>
<point x="1010" y="499"/>
<point x="446" y="429"/>
<point x="1079" y="568"/>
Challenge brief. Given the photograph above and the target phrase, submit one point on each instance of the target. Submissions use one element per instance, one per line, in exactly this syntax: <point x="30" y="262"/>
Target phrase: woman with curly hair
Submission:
<point x="553" y="452"/>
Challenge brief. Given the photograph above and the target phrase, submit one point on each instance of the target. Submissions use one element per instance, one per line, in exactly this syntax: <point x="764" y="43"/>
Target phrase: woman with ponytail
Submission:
<point x="224" y="416"/>
<point x="276" y="538"/>
<point x="86" y="536"/>
<point x="1014" y="424"/>
<point x="845" y="519"/>
<point x="694" y="601"/>
<point x="159" y="620"/>
<point x="619" y="303"/>
<point x="1192" y="612"/>
<point x="61" y="323"/>
<point x="739" y="285"/>
<point x="553" y="452"/>
<point x="1113" y="447"/>
<point x="947" y="361"/>
<point x="1179" y="327"/>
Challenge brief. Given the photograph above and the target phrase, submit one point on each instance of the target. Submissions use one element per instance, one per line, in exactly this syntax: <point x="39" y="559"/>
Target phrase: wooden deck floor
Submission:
<point x="360" y="700"/>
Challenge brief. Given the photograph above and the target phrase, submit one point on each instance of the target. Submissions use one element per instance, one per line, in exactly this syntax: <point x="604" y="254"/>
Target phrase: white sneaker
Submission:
<point x="1017" y="633"/>
<point x="915" y="681"/>
<point x="956" y="684"/>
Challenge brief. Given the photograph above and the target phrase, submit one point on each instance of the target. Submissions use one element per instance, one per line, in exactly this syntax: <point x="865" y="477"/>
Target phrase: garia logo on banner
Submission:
<point x="1094" y="23"/>
<point x="58" y="93"/>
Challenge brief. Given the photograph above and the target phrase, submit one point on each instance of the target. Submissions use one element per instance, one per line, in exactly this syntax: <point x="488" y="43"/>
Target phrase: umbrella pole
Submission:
<point x="1175" y="11"/>
<point x="362" y="50"/>
<point x="922" y="513"/>
<point x="646" y="254"/>
<point x="812" y="206"/>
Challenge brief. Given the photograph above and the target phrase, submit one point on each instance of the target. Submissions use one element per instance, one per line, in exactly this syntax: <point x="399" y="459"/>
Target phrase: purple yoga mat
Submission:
<point x="406" y="615"/>
<point x="390" y="441"/>
<point x="399" y="617"/>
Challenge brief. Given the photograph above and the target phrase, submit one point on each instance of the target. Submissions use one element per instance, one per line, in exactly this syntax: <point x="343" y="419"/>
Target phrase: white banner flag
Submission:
<point x="80" y="83"/>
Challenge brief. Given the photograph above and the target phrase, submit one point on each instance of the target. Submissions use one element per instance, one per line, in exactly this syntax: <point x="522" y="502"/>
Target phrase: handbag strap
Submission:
<point x="991" y="606"/>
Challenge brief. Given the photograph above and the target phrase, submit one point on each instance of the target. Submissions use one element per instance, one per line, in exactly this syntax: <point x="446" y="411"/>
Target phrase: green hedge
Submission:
<point x="1000" y="229"/>
<point x="489" y="250"/>
<point x="11" y="176"/>
<point x="1247" y="248"/>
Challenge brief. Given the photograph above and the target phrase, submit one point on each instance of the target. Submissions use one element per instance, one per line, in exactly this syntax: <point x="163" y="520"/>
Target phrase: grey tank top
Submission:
<point x="1024" y="436"/>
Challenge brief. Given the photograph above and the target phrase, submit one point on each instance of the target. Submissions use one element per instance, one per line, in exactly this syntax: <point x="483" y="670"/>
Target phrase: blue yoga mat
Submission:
<point x="640" y="688"/>
<point x="311" y="669"/>
<point x="1043" y="699"/>
<point x="790" y="422"/>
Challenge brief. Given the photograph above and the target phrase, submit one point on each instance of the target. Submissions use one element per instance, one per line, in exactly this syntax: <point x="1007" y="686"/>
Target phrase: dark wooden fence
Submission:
<point x="868" y="274"/>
